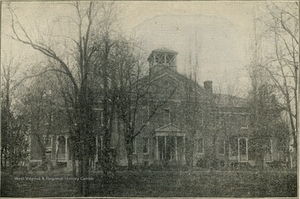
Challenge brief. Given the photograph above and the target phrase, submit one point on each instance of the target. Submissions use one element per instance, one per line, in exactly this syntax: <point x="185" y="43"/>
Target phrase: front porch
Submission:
<point x="169" y="146"/>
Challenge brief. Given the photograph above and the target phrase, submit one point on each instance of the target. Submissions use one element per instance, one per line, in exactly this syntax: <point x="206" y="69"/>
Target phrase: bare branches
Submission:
<point x="282" y="66"/>
<point x="46" y="50"/>
<point x="286" y="28"/>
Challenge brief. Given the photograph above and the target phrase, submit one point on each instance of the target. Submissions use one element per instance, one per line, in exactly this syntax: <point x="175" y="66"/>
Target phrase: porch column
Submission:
<point x="183" y="158"/>
<point x="247" y="148"/>
<point x="165" y="148"/>
<point x="97" y="146"/>
<point x="56" y="144"/>
<point x="66" y="148"/>
<point x="156" y="148"/>
<point x="51" y="138"/>
<point x="176" y="153"/>
<point x="238" y="156"/>
<point x="271" y="142"/>
<point x="56" y="151"/>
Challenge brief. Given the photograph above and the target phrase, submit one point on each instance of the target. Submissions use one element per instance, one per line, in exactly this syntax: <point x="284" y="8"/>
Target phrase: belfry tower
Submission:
<point x="162" y="57"/>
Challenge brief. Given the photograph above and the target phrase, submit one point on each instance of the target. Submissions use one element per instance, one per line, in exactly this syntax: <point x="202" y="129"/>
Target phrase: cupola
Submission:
<point x="163" y="57"/>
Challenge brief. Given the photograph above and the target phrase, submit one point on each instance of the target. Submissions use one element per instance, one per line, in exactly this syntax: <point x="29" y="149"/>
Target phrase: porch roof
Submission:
<point x="168" y="128"/>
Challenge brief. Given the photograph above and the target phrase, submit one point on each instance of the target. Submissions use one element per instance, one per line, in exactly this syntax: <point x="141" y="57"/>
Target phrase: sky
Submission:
<point x="223" y="31"/>
<point x="220" y="32"/>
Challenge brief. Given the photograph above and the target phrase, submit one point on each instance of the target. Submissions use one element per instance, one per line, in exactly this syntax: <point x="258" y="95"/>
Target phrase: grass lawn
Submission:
<point x="155" y="184"/>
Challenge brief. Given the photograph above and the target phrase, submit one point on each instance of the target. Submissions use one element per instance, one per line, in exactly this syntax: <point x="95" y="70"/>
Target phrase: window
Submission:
<point x="99" y="117"/>
<point x="243" y="146"/>
<point x="170" y="148"/>
<point x="200" y="145"/>
<point x="161" y="147"/>
<point x="160" y="58"/>
<point x="134" y="146"/>
<point x="252" y="149"/>
<point x="144" y="115"/>
<point x="47" y="140"/>
<point x="238" y="148"/>
<point x="167" y="116"/>
<point x="170" y="59"/>
<point x="233" y="143"/>
<point x="268" y="156"/>
<point x="269" y="146"/>
<point x="101" y="143"/>
<point x="244" y="121"/>
<point x="51" y="116"/>
<point x="221" y="146"/>
<point x="145" y="145"/>
<point x="200" y="117"/>
<point x="132" y="114"/>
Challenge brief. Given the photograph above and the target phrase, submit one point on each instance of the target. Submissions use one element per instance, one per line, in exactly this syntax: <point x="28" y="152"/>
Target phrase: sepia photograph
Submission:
<point x="149" y="99"/>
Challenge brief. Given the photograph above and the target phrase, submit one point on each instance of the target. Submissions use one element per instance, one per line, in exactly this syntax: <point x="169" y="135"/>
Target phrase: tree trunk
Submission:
<point x="106" y="112"/>
<point x="106" y="153"/>
<point x="73" y="163"/>
<point x="5" y="158"/>
<point x="86" y="187"/>
<point x="129" y="146"/>
<point x="81" y="167"/>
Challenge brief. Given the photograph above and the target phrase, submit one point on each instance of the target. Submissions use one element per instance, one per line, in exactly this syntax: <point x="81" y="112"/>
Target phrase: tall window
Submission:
<point x="132" y="114"/>
<point x="162" y="147"/>
<point x="99" y="117"/>
<point x="47" y="140"/>
<point x="144" y="114"/>
<point x="170" y="148"/>
<point x="134" y="146"/>
<point x="221" y="146"/>
<point x="145" y="145"/>
<point x="167" y="119"/>
<point x="269" y="146"/>
<point x="201" y="119"/>
<point x="51" y="116"/>
<point x="233" y="144"/>
<point x="243" y="146"/>
<point x="244" y="121"/>
<point x="200" y="145"/>
<point x="268" y="155"/>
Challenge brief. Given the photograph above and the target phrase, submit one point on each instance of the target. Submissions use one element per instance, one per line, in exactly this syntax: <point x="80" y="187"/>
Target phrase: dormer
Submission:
<point x="163" y="57"/>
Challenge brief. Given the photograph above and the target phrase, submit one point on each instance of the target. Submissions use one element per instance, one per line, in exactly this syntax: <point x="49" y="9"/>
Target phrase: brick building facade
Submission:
<point x="194" y="126"/>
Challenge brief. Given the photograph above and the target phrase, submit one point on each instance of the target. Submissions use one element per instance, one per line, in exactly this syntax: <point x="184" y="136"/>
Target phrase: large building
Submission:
<point x="179" y="122"/>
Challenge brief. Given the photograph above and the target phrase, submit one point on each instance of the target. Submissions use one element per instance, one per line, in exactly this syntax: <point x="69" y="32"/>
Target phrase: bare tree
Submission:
<point x="136" y="93"/>
<point x="41" y="105"/>
<point x="269" y="82"/>
<point x="91" y="22"/>
<point x="13" y="126"/>
<point x="280" y="64"/>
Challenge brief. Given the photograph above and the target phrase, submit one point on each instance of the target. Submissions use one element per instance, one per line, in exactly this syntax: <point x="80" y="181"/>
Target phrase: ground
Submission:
<point x="149" y="183"/>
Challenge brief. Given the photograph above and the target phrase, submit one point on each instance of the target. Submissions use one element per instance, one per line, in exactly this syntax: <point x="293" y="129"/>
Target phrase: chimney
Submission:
<point x="208" y="86"/>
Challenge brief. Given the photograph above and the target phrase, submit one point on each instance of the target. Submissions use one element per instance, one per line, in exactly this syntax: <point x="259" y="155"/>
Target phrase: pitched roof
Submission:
<point x="168" y="128"/>
<point x="224" y="100"/>
<point x="182" y="78"/>
<point x="162" y="50"/>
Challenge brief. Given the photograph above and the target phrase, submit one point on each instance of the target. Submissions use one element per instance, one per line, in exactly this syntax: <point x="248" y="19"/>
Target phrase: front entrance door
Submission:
<point x="243" y="150"/>
<point x="166" y="148"/>
<point x="238" y="149"/>
<point x="170" y="149"/>
<point x="61" y="148"/>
